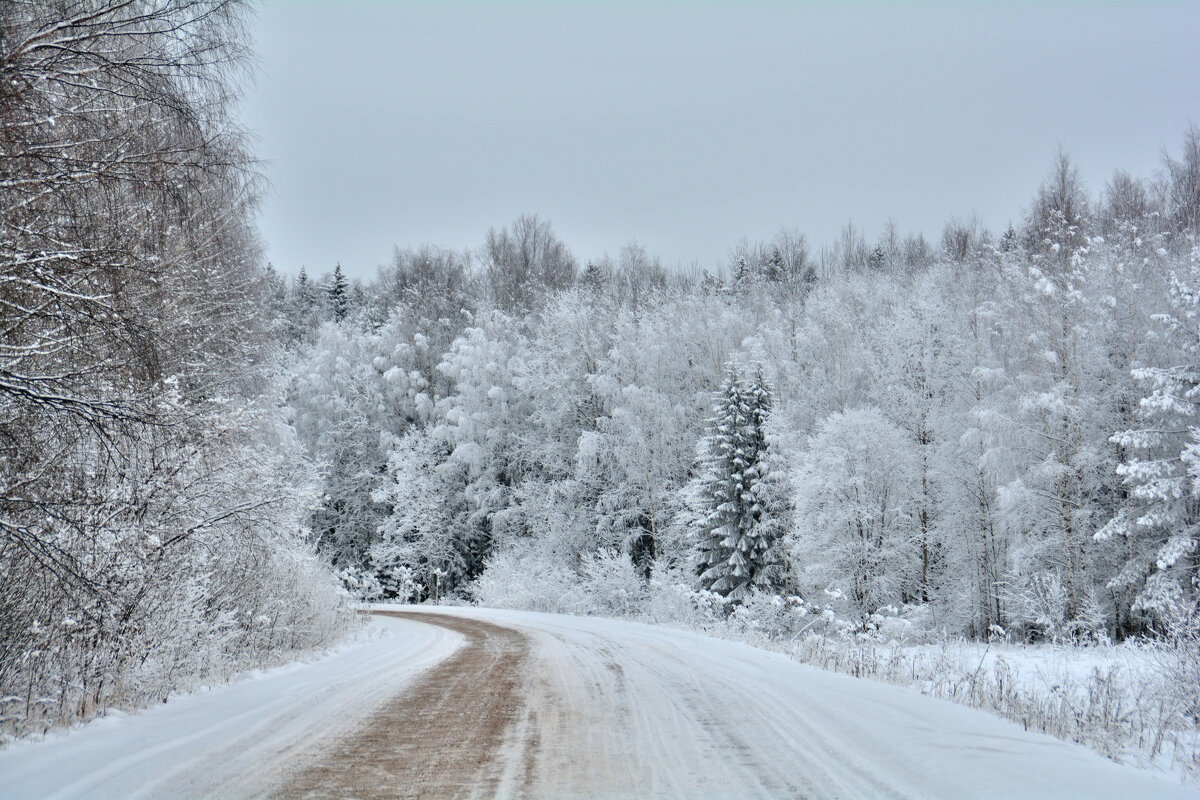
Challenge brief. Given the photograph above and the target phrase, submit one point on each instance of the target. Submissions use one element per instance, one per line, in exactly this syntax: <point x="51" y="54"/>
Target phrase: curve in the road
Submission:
<point x="549" y="706"/>
<point x="442" y="737"/>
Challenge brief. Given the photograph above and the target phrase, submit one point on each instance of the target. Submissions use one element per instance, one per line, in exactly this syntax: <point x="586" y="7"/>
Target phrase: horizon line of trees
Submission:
<point x="506" y="272"/>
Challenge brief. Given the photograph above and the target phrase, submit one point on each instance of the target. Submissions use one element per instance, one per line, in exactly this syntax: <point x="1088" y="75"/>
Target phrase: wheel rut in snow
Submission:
<point x="442" y="737"/>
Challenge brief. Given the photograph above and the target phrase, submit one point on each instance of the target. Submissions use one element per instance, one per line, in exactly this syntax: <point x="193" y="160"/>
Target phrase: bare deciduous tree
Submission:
<point x="135" y="510"/>
<point x="524" y="263"/>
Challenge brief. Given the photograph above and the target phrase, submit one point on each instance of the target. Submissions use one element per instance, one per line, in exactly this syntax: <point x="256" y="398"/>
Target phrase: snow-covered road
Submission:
<point x="618" y="709"/>
<point x="603" y="709"/>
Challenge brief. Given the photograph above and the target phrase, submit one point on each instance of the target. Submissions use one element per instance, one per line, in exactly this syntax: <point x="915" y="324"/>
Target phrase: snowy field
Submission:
<point x="1115" y="699"/>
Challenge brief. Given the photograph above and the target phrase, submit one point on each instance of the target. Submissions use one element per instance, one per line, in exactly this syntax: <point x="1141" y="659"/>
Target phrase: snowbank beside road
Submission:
<point x="236" y="740"/>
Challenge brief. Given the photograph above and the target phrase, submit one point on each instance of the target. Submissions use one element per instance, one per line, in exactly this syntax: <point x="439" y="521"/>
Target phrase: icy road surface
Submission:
<point x="537" y="705"/>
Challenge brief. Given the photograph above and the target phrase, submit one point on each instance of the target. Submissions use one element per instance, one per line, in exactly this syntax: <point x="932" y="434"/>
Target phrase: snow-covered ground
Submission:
<point x="1043" y="668"/>
<point x="231" y="741"/>
<point x="612" y="709"/>
<point x="675" y="713"/>
<point x="1121" y="700"/>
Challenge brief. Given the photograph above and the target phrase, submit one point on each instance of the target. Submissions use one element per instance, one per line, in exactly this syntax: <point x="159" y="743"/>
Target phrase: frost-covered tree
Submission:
<point x="836" y="363"/>
<point x="476" y="427"/>
<point x="337" y="295"/>
<point x="351" y="392"/>
<point x="302" y="309"/>
<point x="1183" y="186"/>
<point x="922" y="354"/>
<point x="431" y="288"/>
<point x="983" y="457"/>
<point x="424" y="546"/>
<point x="1053" y="504"/>
<point x="152" y="494"/>
<point x="524" y="262"/>
<point x="856" y="532"/>
<point x="1158" y="528"/>
<point x="739" y="494"/>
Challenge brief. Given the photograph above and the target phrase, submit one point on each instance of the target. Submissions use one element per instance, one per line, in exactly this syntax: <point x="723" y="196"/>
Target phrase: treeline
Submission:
<point x="995" y="432"/>
<point x="153" y="497"/>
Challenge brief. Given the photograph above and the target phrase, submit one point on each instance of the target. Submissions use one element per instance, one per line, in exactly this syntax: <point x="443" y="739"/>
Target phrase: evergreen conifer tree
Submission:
<point x="1159" y="526"/>
<point x="741" y="519"/>
<point x="302" y="294"/>
<point x="339" y="296"/>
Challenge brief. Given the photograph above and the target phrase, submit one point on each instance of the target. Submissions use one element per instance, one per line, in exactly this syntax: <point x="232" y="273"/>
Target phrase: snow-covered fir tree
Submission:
<point x="339" y="294"/>
<point x="740" y="494"/>
<point x="1159" y="526"/>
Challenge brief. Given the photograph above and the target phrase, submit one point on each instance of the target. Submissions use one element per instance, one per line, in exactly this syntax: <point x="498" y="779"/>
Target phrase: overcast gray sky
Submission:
<point x="687" y="126"/>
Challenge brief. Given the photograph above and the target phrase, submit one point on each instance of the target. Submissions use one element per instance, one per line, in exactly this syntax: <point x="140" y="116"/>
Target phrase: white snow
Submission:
<point x="620" y="710"/>
<point x="678" y="714"/>
<point x="231" y="741"/>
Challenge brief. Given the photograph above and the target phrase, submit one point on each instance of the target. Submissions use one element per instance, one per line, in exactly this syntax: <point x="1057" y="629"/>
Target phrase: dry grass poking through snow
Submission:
<point x="1122" y="701"/>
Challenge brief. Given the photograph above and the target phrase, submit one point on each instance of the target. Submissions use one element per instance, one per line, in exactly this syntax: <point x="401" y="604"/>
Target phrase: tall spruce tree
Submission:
<point x="339" y="297"/>
<point x="739" y="489"/>
<point x="1158" y="528"/>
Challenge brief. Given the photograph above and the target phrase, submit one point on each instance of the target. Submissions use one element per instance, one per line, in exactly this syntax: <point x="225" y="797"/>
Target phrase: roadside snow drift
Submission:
<point x="231" y="741"/>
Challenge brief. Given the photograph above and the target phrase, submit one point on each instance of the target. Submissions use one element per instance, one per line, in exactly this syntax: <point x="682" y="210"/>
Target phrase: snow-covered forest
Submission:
<point x="989" y="433"/>
<point x="981" y="434"/>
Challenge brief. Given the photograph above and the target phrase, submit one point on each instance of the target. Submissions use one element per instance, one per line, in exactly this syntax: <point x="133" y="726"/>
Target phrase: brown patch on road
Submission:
<point x="442" y="737"/>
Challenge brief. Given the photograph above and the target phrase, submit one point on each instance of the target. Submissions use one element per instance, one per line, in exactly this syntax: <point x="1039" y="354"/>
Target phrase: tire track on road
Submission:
<point x="443" y="736"/>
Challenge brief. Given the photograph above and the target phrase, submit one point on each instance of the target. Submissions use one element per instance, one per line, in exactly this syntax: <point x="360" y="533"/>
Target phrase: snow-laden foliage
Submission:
<point x="952" y="419"/>
<point x="1157" y="525"/>
<point x="352" y="393"/>
<point x="741" y="506"/>
<point x="154" y="499"/>
<point x="857" y="528"/>
<point x="422" y="548"/>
